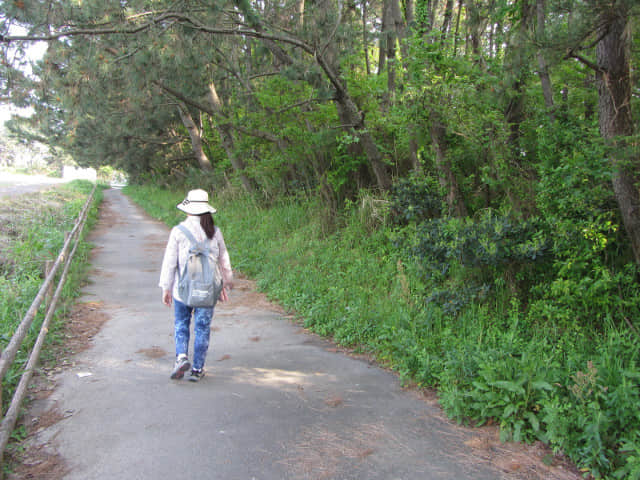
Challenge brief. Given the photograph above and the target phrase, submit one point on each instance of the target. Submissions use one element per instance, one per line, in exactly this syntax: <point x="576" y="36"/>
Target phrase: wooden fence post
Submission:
<point x="47" y="270"/>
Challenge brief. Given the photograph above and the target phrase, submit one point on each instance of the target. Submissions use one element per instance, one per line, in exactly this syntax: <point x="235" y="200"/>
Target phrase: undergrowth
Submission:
<point x="489" y="311"/>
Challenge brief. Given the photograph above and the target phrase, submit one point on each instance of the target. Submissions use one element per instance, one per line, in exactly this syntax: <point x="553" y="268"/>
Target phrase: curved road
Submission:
<point x="277" y="402"/>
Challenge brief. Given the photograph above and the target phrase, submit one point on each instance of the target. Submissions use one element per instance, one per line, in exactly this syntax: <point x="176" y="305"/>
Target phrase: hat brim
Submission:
<point x="196" y="208"/>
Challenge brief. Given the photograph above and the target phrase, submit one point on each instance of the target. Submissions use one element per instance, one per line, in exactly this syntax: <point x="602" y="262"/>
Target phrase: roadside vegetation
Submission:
<point x="495" y="315"/>
<point x="32" y="232"/>
<point x="450" y="186"/>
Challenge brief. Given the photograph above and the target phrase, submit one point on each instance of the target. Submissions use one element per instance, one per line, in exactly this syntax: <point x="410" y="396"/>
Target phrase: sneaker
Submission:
<point x="181" y="366"/>
<point x="196" y="375"/>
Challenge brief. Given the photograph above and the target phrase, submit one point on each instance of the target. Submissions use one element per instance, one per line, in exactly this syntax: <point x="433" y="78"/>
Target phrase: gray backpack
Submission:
<point x="200" y="282"/>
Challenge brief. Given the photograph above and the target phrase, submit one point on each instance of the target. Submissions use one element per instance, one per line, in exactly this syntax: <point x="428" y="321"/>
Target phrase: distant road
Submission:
<point x="14" y="184"/>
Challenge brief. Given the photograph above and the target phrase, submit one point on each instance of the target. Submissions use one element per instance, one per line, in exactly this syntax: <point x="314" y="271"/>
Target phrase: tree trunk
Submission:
<point x="393" y="30"/>
<point x="400" y="26"/>
<point x="226" y="138"/>
<point x="447" y="178"/>
<point x="365" y="37"/>
<point x="354" y="122"/>
<point x="408" y="12"/>
<point x="433" y="8"/>
<point x="517" y="65"/>
<point x="475" y="27"/>
<point x="384" y="37"/>
<point x="616" y="121"/>
<point x="416" y="166"/>
<point x="349" y="115"/>
<point x="196" y="137"/>
<point x="390" y="53"/>
<point x="545" y="82"/>
<point x="543" y="71"/>
<point x="457" y="31"/>
<point x="352" y="113"/>
<point x="514" y="115"/>
<point x="446" y="22"/>
<point x="300" y="11"/>
<point x="393" y="34"/>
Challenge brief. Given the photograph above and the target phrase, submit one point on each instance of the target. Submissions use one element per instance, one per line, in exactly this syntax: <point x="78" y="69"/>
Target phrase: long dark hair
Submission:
<point x="207" y="224"/>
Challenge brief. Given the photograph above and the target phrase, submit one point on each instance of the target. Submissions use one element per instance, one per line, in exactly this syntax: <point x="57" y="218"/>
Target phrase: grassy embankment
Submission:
<point x="573" y="387"/>
<point x="32" y="232"/>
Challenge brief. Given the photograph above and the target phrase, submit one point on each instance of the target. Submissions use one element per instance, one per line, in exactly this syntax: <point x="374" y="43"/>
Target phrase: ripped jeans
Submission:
<point x="201" y="331"/>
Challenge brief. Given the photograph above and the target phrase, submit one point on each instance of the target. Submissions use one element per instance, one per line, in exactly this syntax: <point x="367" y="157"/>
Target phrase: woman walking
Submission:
<point x="201" y="227"/>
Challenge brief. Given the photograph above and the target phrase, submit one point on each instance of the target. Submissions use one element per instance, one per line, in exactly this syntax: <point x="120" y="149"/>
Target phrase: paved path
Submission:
<point x="278" y="403"/>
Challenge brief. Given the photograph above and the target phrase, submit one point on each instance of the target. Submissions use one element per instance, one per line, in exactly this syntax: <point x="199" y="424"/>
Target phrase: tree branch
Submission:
<point x="584" y="61"/>
<point x="188" y="21"/>
<point x="265" y="74"/>
<point x="184" y="98"/>
<point x="335" y="28"/>
<point x="254" y="133"/>
<point x="74" y="32"/>
<point x="298" y="104"/>
<point x="176" y="16"/>
<point x="263" y="135"/>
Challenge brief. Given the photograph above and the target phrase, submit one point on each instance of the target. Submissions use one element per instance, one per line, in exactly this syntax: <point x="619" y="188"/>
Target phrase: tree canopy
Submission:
<point x="483" y="99"/>
<point x="332" y="95"/>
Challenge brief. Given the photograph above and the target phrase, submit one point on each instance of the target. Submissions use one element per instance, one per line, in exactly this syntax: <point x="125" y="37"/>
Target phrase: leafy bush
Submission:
<point x="512" y="354"/>
<point x="592" y="279"/>
<point x="462" y="260"/>
<point x="413" y="201"/>
<point x="595" y="404"/>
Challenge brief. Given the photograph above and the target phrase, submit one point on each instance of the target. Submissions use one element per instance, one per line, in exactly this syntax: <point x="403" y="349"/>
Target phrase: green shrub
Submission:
<point x="466" y="260"/>
<point x="516" y="353"/>
<point x="413" y="201"/>
<point x="588" y="415"/>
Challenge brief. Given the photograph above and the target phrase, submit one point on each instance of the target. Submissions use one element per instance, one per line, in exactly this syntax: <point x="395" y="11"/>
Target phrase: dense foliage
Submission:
<point x="563" y="369"/>
<point x="478" y="159"/>
<point x="476" y="97"/>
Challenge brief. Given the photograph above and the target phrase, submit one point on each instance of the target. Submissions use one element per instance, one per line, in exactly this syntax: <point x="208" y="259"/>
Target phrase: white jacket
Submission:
<point x="177" y="251"/>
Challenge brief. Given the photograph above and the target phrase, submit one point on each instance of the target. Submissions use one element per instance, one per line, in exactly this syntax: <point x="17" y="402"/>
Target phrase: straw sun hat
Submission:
<point x="196" y="203"/>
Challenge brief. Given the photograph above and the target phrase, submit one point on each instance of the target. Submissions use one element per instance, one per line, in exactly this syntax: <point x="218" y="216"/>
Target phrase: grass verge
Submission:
<point x="571" y="387"/>
<point x="31" y="233"/>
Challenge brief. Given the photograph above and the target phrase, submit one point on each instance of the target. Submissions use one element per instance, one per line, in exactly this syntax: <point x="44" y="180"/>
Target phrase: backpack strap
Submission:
<point x="188" y="234"/>
<point x="196" y="247"/>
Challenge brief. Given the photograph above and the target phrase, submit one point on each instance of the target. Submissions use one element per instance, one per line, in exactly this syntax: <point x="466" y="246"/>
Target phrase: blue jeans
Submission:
<point x="201" y="330"/>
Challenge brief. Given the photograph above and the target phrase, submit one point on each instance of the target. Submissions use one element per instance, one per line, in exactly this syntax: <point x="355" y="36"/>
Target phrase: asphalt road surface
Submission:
<point x="277" y="402"/>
